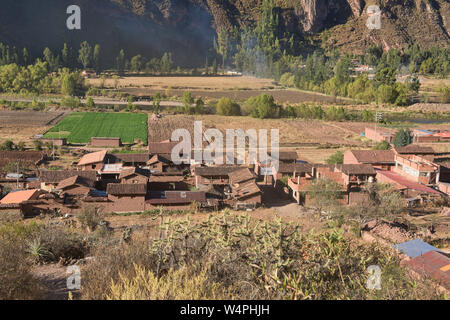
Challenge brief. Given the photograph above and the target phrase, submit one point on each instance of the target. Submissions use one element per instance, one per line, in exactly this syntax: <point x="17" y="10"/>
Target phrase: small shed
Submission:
<point x="105" y="142"/>
<point x="56" y="141"/>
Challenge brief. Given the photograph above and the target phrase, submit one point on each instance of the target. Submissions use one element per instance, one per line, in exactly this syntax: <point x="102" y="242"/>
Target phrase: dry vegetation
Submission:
<point x="189" y="83"/>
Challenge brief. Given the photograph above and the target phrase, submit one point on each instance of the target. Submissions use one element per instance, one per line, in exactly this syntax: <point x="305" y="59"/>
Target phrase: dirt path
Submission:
<point x="54" y="278"/>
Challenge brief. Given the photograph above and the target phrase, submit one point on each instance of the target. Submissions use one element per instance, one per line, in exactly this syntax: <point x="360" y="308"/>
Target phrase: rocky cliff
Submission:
<point x="188" y="27"/>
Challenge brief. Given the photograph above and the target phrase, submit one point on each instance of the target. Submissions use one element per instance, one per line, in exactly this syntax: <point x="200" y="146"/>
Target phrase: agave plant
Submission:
<point x="38" y="251"/>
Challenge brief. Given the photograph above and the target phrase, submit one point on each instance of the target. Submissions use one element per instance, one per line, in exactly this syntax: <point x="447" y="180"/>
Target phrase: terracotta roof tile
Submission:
<point x="374" y="156"/>
<point x="19" y="196"/>
<point x="126" y="189"/>
<point x="415" y="149"/>
<point x="92" y="158"/>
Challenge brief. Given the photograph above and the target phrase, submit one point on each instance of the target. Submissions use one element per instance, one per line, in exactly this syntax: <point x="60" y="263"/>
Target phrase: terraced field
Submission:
<point x="79" y="127"/>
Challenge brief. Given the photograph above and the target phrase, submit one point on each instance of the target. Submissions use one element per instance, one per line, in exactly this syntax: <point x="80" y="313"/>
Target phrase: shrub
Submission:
<point x="7" y="145"/>
<point x="186" y="283"/>
<point x="89" y="218"/>
<point x="383" y="145"/>
<point x="245" y="260"/>
<point x="336" y="158"/>
<point x="16" y="278"/>
<point x="227" y="107"/>
<point x="262" y="106"/>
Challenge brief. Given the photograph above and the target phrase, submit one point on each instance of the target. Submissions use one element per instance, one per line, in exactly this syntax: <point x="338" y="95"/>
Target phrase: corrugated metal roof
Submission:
<point x="415" y="248"/>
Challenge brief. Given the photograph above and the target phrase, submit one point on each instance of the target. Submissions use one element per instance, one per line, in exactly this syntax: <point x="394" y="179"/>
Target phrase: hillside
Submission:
<point x="188" y="28"/>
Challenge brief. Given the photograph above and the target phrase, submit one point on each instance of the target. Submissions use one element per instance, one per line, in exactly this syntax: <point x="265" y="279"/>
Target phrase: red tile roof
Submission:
<point x="126" y="189"/>
<point x="75" y="180"/>
<point x="241" y="175"/>
<point x="374" y="156"/>
<point x="92" y="158"/>
<point x="434" y="264"/>
<point x="19" y="196"/>
<point x="407" y="183"/>
<point x="414" y="149"/>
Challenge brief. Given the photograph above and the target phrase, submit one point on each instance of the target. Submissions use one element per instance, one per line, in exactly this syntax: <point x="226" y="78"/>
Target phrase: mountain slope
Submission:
<point x="188" y="28"/>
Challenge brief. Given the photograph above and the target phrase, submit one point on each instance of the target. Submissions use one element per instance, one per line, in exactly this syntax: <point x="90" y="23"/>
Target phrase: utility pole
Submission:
<point x="17" y="176"/>
<point x="378" y="117"/>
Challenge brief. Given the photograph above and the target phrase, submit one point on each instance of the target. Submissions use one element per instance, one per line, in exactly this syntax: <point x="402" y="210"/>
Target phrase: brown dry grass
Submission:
<point x="202" y="83"/>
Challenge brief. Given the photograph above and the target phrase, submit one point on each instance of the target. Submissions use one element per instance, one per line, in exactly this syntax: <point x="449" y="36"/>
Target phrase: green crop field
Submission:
<point x="79" y="127"/>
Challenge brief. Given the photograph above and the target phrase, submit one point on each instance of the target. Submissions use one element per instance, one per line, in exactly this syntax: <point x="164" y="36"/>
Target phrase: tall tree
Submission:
<point x="65" y="55"/>
<point x="85" y="54"/>
<point x="50" y="59"/>
<point x="97" y="59"/>
<point x="25" y="57"/>
<point x="402" y="138"/>
<point x="120" y="61"/>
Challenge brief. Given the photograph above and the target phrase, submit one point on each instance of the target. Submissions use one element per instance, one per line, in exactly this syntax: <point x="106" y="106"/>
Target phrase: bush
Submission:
<point x="227" y="107"/>
<point x="186" y="283"/>
<point x="383" y="145"/>
<point x="7" y="145"/>
<point x="337" y="158"/>
<point x="262" y="106"/>
<point x="89" y="218"/>
<point x="16" y="278"/>
<point x="245" y="260"/>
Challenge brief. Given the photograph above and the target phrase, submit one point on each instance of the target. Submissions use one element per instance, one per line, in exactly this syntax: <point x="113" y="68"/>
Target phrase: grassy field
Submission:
<point x="79" y="127"/>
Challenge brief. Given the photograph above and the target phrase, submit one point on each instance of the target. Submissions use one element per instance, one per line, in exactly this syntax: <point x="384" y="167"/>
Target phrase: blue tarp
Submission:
<point x="415" y="248"/>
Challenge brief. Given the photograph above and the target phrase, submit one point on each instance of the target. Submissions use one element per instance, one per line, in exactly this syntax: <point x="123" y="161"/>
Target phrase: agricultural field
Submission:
<point x="238" y="88"/>
<point x="79" y="127"/>
<point x="189" y="83"/>
<point x="22" y="126"/>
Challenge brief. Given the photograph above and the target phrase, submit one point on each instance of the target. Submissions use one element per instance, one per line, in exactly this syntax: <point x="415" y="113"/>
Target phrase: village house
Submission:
<point x="49" y="179"/>
<point x="75" y="186"/>
<point x="288" y="170"/>
<point x="134" y="175"/>
<point x="416" y="150"/>
<point x="380" y="134"/>
<point x="131" y="159"/>
<point x="20" y="202"/>
<point x="351" y="178"/>
<point x="245" y="192"/>
<point x="105" y="142"/>
<point x="158" y="163"/>
<point x="126" y="197"/>
<point x="167" y="182"/>
<point x="264" y="168"/>
<point x="161" y="148"/>
<point x="57" y="142"/>
<point x="427" y="136"/>
<point x="412" y="191"/>
<point x="417" y="168"/>
<point x="19" y="196"/>
<point x="92" y="161"/>
<point x="380" y="159"/>
<point x="16" y="181"/>
<point x="215" y="175"/>
<point x="175" y="199"/>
